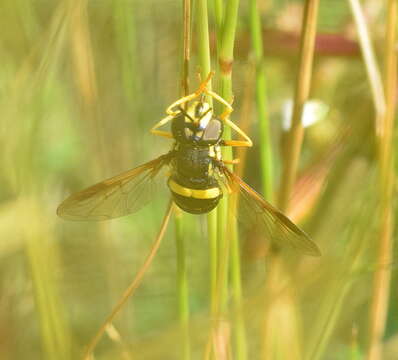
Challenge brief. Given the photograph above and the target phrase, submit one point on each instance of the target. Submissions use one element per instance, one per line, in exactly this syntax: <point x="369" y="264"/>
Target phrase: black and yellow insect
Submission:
<point x="198" y="178"/>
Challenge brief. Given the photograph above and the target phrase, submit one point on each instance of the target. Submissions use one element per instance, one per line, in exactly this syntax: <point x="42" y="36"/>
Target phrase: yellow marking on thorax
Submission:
<point x="212" y="153"/>
<point x="193" y="193"/>
<point x="218" y="153"/>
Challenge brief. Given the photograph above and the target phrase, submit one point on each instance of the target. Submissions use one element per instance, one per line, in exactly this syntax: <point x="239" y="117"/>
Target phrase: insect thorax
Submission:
<point x="197" y="125"/>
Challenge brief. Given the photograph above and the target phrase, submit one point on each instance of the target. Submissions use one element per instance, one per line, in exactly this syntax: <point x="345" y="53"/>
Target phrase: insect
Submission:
<point x="198" y="179"/>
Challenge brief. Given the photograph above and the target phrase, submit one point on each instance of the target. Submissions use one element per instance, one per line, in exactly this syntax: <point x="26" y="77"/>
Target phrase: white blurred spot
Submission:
<point x="314" y="110"/>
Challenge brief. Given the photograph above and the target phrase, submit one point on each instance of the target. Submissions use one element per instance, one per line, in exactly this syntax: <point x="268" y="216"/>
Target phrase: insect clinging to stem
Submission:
<point x="198" y="178"/>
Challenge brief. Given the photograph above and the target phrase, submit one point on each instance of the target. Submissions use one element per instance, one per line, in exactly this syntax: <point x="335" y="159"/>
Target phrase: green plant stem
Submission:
<point x="182" y="276"/>
<point x="182" y="285"/>
<point x="382" y="278"/>
<point x="126" y="40"/>
<point x="236" y="281"/>
<point x="186" y="46"/>
<point x="218" y="12"/>
<point x="202" y="26"/>
<point x="261" y="100"/>
<point x="226" y="48"/>
<point x="295" y="139"/>
<point x="227" y="234"/>
<point x="218" y="15"/>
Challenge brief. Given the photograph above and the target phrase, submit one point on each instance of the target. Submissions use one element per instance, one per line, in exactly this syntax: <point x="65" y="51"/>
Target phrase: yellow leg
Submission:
<point x="185" y="99"/>
<point x="228" y="106"/>
<point x="179" y="102"/>
<point x="247" y="142"/>
<point x="232" y="162"/>
<point x="166" y="134"/>
<point x="236" y="143"/>
<point x="162" y="122"/>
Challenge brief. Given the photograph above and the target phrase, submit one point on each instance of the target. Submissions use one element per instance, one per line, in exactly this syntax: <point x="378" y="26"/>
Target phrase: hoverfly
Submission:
<point x="198" y="179"/>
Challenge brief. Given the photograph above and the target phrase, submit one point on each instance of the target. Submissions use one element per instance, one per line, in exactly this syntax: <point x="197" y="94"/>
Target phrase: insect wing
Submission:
<point x="260" y="216"/>
<point x="118" y="196"/>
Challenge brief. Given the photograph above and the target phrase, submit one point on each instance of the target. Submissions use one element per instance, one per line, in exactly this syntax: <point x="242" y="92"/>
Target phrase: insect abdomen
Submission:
<point x="194" y="188"/>
<point x="195" y="201"/>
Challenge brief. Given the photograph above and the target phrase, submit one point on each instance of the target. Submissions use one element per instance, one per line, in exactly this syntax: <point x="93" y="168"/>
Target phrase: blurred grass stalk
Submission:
<point x="261" y="101"/>
<point x="369" y="58"/>
<point x="345" y="273"/>
<point x="42" y="255"/>
<point x="332" y="308"/>
<point x="41" y="249"/>
<point x="285" y="312"/>
<point x="381" y="285"/>
<point x="133" y="285"/>
<point x="182" y="276"/>
<point x="126" y="40"/>
<point x="304" y="75"/>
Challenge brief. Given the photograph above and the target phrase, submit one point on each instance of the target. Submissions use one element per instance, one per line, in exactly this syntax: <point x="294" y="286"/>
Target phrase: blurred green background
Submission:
<point x="81" y="84"/>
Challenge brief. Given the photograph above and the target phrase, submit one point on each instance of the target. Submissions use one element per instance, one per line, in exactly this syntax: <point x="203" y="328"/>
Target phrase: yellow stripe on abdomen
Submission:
<point x="193" y="193"/>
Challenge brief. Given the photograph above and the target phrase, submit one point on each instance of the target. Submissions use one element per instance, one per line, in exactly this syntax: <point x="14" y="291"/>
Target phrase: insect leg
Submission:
<point x="227" y="105"/>
<point x="232" y="162"/>
<point x="162" y="122"/>
<point x="236" y="143"/>
<point x="247" y="142"/>
<point x="201" y="89"/>
<point x="179" y="102"/>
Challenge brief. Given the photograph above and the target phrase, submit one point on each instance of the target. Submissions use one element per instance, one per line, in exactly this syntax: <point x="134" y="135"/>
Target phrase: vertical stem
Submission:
<point x="381" y="285"/>
<point x="236" y="282"/>
<point x="182" y="277"/>
<point x="226" y="221"/>
<point x="186" y="45"/>
<point x="218" y="12"/>
<point x="292" y="151"/>
<point x="218" y="15"/>
<point x="202" y="26"/>
<point x="226" y="49"/>
<point x="226" y="53"/>
<point x="182" y="285"/>
<point x="261" y="91"/>
<point x="369" y="58"/>
<point x="126" y="41"/>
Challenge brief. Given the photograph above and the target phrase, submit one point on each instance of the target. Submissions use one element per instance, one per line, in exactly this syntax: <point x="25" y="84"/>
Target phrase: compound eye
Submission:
<point x="213" y="131"/>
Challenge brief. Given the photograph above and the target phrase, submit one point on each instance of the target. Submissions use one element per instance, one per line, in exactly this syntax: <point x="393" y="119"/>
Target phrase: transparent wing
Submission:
<point x="261" y="217"/>
<point x="118" y="196"/>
